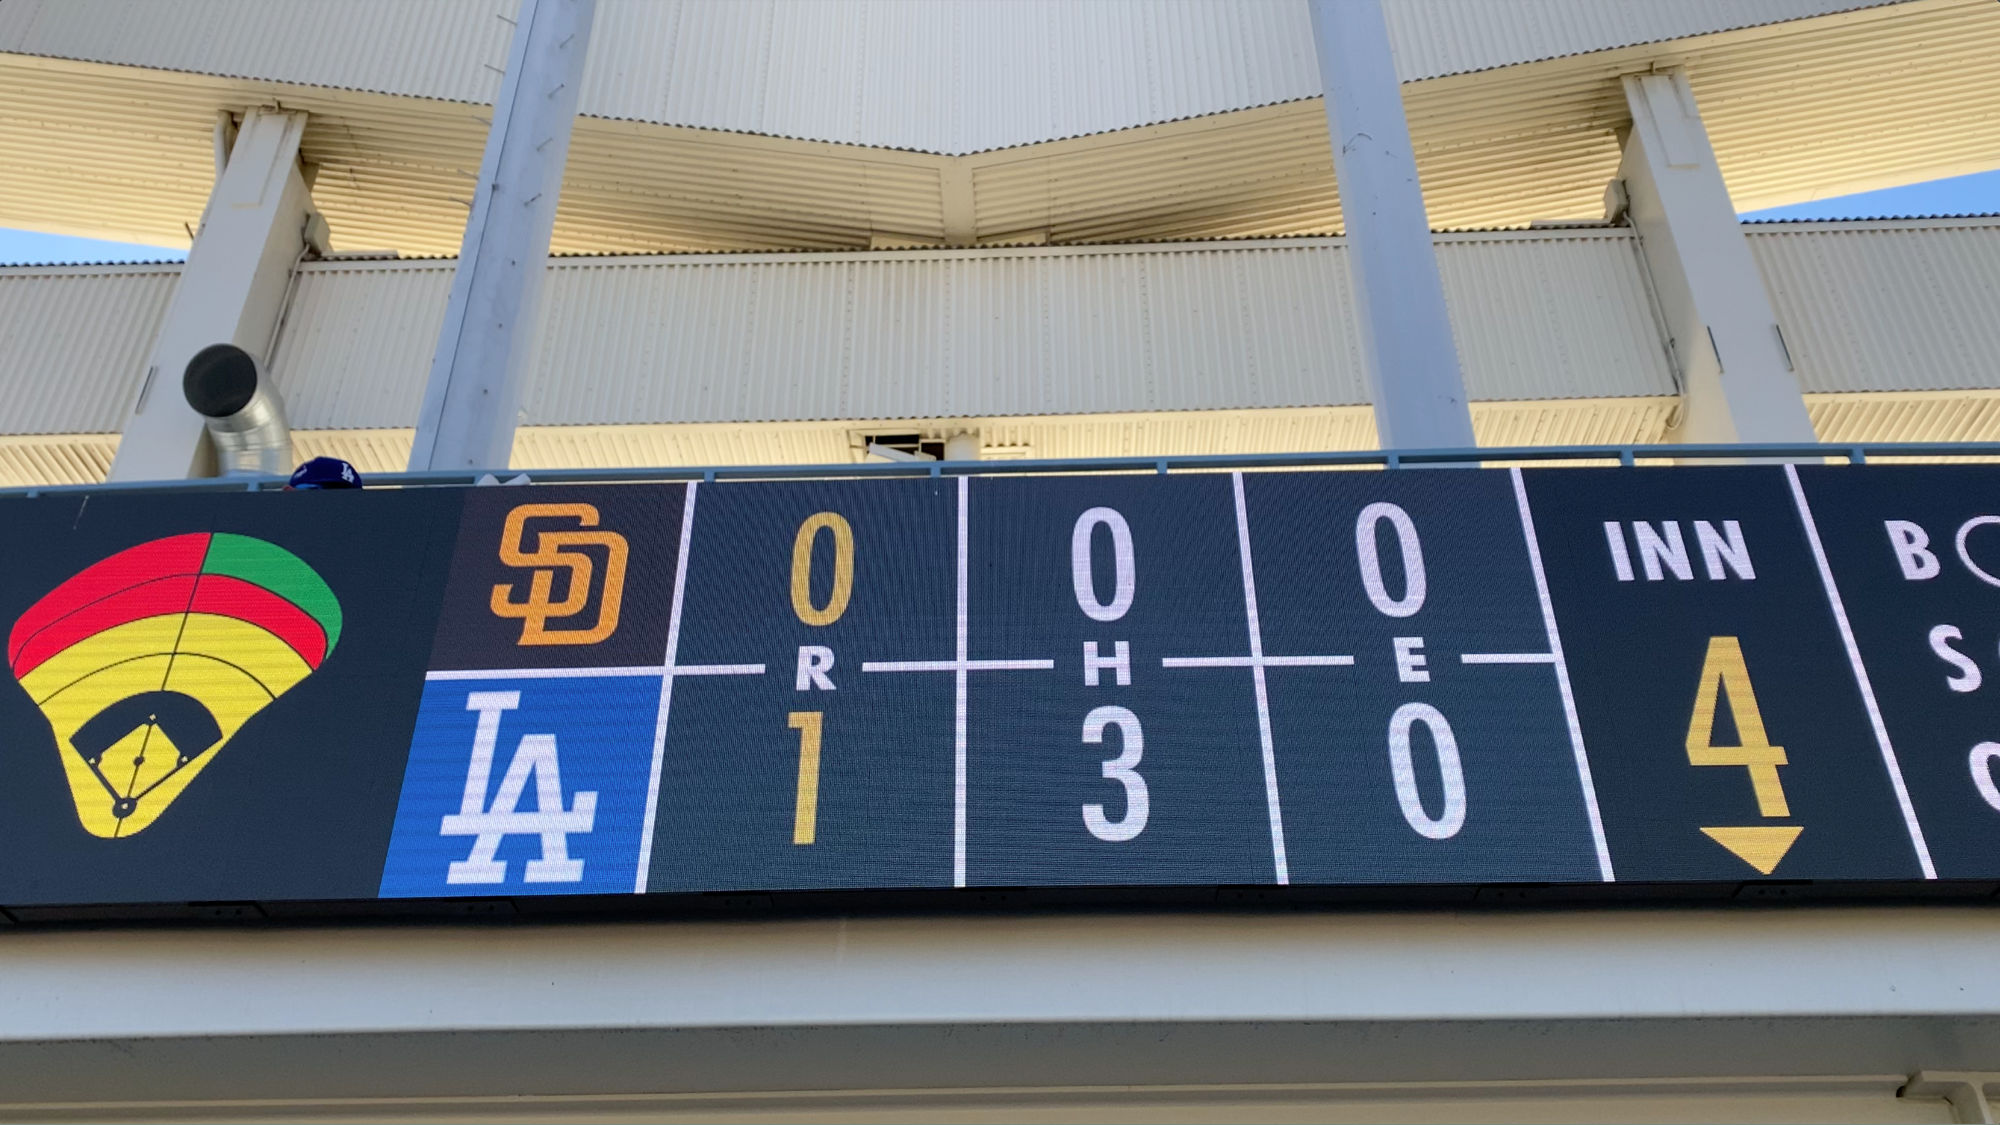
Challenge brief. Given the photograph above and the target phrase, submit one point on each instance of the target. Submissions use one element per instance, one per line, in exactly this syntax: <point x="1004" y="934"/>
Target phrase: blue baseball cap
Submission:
<point x="324" y="472"/>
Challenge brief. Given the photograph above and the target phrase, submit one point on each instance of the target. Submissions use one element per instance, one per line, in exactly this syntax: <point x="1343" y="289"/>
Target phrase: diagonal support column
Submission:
<point x="1406" y="341"/>
<point x="1736" y="374"/>
<point x="473" y="398"/>
<point x="232" y="290"/>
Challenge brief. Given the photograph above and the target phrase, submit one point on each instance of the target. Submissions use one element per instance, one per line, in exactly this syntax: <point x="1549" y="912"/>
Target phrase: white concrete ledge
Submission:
<point x="1834" y="962"/>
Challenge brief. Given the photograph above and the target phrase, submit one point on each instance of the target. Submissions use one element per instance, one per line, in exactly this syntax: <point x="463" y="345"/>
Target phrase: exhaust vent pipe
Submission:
<point x="246" y="418"/>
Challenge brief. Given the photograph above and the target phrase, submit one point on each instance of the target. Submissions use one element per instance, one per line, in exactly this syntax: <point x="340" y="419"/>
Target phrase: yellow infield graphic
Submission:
<point x="147" y="663"/>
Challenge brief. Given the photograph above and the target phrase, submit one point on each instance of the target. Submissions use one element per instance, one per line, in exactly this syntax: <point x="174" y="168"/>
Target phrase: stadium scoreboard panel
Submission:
<point x="1630" y="678"/>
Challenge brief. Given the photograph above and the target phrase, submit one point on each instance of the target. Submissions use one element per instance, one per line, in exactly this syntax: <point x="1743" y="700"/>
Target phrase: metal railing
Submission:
<point x="1625" y="455"/>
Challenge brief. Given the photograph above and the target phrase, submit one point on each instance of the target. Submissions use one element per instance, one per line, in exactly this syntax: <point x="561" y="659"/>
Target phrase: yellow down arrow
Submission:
<point x="1762" y="847"/>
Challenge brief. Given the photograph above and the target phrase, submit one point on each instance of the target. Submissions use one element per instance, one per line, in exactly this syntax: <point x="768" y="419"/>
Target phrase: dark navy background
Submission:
<point x="1525" y="814"/>
<point x="1932" y="727"/>
<point x="1635" y="654"/>
<point x="1030" y="771"/>
<point x="471" y="636"/>
<point x="301" y="804"/>
<point x="730" y="779"/>
<point x="297" y="805"/>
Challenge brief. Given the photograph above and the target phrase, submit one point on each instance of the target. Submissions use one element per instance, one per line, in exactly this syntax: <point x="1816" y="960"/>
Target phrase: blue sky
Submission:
<point x="1977" y="194"/>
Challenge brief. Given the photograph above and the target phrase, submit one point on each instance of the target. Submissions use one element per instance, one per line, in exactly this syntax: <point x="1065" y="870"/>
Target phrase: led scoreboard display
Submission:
<point x="1641" y="680"/>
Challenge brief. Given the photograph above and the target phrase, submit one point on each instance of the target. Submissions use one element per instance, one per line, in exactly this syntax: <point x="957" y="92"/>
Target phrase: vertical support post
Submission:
<point x="473" y="396"/>
<point x="231" y="291"/>
<point x="1406" y="341"/>
<point x="1736" y="376"/>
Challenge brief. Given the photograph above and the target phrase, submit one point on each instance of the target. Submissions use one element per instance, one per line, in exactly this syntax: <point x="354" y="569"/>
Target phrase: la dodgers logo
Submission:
<point x="534" y="756"/>
<point x="521" y="785"/>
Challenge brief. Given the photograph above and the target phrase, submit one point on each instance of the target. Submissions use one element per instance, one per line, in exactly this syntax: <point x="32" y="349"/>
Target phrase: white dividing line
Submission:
<point x="668" y="672"/>
<point x="1861" y="676"/>
<point x="666" y="692"/>
<point x="961" y="650"/>
<point x="714" y="670"/>
<point x="959" y="666"/>
<point x="1257" y="675"/>
<point x="1555" y="655"/>
<point x="1254" y="661"/>
<point x="543" y="673"/>
<point x="1506" y="658"/>
<point x="591" y="673"/>
<point x="955" y="665"/>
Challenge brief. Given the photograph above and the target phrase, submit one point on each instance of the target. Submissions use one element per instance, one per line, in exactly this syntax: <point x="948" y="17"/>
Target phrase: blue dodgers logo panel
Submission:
<point x="525" y="786"/>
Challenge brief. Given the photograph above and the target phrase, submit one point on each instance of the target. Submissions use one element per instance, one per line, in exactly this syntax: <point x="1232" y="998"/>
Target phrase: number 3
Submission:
<point x="1119" y="769"/>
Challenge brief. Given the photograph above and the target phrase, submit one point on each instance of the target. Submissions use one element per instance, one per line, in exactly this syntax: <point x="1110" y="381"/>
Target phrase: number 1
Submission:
<point x="805" y="814"/>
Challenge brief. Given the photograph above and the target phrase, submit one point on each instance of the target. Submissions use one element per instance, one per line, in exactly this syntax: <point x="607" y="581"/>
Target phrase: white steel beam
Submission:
<point x="232" y="290"/>
<point x="1737" y="381"/>
<point x="472" y="400"/>
<point x="1405" y="328"/>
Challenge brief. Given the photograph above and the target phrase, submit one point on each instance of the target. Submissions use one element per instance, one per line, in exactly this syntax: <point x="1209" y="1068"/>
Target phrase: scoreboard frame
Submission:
<point x="1749" y="657"/>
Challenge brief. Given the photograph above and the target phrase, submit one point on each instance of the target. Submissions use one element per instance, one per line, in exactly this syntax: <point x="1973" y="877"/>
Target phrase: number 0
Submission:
<point x="843" y="568"/>
<point x="1983" y="757"/>
<point x="1371" y="559"/>
<point x="1452" y="818"/>
<point x="1124" y="583"/>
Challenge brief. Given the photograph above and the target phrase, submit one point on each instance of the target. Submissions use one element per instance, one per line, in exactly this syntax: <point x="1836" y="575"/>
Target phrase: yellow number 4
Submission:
<point x="1724" y="675"/>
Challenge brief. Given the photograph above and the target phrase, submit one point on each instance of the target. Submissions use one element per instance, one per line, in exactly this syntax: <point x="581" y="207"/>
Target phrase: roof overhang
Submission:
<point x="1796" y="110"/>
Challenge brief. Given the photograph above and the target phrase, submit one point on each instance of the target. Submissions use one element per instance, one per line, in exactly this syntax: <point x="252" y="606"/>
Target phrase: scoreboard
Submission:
<point x="1640" y="681"/>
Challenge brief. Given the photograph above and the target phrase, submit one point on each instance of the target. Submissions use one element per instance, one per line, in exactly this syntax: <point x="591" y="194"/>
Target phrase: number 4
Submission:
<point x="1724" y="675"/>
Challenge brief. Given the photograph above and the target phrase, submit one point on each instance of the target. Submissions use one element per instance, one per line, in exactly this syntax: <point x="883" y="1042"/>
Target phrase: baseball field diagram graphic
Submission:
<point x="148" y="662"/>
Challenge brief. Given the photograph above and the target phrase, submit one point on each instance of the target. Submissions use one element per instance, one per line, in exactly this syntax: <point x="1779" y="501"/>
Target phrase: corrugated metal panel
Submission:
<point x="943" y="334"/>
<point x="1433" y="38"/>
<point x="1895" y="306"/>
<point x="1547" y="316"/>
<point x="122" y="153"/>
<point x="1260" y="172"/>
<point x="1294" y="430"/>
<point x="73" y="343"/>
<point x="1040" y="332"/>
<point x="1907" y="416"/>
<point x="29" y="462"/>
<point x="936" y="334"/>
<point x="554" y="447"/>
<point x="370" y="451"/>
<point x="949" y="76"/>
<point x="452" y="49"/>
<point x="1820" y="106"/>
<point x="355" y="347"/>
<point x="1894" y="96"/>
<point x="1596" y="421"/>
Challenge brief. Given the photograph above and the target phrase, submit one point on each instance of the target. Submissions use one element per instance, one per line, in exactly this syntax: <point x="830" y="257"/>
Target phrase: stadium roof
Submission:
<point x="858" y="125"/>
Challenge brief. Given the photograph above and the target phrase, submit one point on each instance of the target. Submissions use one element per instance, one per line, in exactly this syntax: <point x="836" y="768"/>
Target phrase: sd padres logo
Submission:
<point x="148" y="662"/>
<point x="553" y="551"/>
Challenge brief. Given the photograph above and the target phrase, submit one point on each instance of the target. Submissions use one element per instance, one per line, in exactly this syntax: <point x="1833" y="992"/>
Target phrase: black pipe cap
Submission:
<point x="220" y="380"/>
